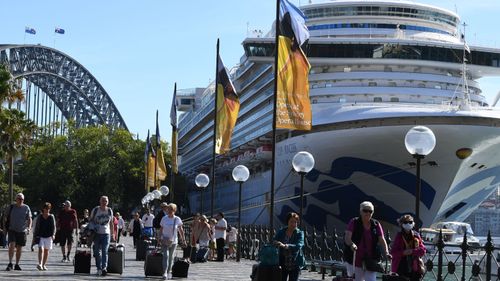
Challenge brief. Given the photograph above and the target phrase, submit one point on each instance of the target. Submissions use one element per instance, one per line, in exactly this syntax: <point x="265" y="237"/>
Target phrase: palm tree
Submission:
<point x="15" y="130"/>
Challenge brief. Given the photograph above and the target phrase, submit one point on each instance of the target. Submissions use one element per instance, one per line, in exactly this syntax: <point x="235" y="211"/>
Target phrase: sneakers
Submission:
<point x="17" y="267"/>
<point x="166" y="276"/>
<point x="44" y="267"/>
<point x="39" y="267"/>
<point x="99" y="272"/>
<point x="104" y="272"/>
<point x="9" y="267"/>
<point x="68" y="259"/>
<point x="63" y="259"/>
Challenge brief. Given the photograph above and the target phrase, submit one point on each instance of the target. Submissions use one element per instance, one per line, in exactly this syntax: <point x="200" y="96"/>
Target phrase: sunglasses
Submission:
<point x="367" y="211"/>
<point x="408" y="222"/>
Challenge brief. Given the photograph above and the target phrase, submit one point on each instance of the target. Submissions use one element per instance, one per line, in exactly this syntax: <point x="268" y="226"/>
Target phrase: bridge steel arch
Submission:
<point x="73" y="89"/>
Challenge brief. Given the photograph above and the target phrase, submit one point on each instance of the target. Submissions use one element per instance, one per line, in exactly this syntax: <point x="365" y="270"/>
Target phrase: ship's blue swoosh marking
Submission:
<point x="343" y="168"/>
<point x="491" y="172"/>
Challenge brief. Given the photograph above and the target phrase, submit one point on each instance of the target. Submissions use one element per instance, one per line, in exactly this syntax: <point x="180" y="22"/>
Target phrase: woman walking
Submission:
<point x="290" y="241"/>
<point x="169" y="226"/>
<point x="407" y="250"/>
<point x="45" y="231"/>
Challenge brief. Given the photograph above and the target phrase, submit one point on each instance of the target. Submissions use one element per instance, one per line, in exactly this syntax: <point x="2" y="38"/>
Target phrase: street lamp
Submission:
<point x="419" y="141"/>
<point x="302" y="163"/>
<point x="240" y="175"/>
<point x="201" y="181"/>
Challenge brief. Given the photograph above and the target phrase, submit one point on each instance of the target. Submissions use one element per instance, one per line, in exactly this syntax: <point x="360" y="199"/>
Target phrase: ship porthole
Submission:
<point x="463" y="153"/>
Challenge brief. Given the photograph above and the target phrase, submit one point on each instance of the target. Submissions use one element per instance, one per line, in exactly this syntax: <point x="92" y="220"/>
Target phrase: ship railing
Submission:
<point x="323" y="251"/>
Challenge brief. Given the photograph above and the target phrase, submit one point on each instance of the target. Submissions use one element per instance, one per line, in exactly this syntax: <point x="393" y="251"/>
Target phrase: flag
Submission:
<point x="59" y="30"/>
<point x="149" y="164"/>
<point x="147" y="149"/>
<point x="228" y="106"/>
<point x="29" y="30"/>
<point x="173" y="122"/>
<point x="161" y="169"/>
<point x="293" y="109"/>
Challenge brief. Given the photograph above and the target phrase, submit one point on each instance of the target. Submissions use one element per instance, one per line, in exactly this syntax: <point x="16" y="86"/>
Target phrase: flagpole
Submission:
<point x="174" y="129"/>
<point x="157" y="151"/>
<point x="273" y="172"/>
<point x="215" y="128"/>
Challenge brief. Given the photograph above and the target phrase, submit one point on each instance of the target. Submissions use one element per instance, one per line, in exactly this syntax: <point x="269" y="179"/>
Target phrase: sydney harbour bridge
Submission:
<point x="58" y="89"/>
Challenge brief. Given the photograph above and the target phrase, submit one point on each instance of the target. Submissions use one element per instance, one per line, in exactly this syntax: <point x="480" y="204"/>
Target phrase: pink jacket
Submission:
<point x="398" y="247"/>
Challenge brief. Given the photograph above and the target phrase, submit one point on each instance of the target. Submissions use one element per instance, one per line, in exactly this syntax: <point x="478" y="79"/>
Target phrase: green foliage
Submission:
<point x="84" y="165"/>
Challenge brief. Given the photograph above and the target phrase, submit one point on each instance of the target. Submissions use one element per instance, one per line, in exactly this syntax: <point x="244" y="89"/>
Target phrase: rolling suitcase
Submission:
<point x="142" y="246"/>
<point x="202" y="255"/>
<point x="394" y="277"/>
<point x="81" y="261"/>
<point x="268" y="273"/>
<point x="116" y="259"/>
<point x="194" y="253"/>
<point x="186" y="252"/>
<point x="153" y="264"/>
<point x="180" y="268"/>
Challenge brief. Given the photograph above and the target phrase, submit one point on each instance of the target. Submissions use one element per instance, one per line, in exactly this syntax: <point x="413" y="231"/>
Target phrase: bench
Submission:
<point x="333" y="266"/>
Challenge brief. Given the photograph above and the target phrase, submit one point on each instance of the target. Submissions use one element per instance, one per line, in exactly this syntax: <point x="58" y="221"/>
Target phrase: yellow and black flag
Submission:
<point x="228" y="106"/>
<point x="293" y="109"/>
<point x="173" y="122"/>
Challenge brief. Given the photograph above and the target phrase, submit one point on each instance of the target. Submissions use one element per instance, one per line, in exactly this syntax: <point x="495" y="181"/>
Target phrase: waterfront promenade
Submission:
<point x="134" y="270"/>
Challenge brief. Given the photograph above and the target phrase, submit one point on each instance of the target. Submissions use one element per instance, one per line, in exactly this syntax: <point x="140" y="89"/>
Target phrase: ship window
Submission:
<point x="392" y="84"/>
<point x="342" y="100"/>
<point x="186" y="101"/>
<point x="315" y="101"/>
<point x="421" y="85"/>
<point x="394" y="99"/>
<point x="377" y="99"/>
<point x="372" y="84"/>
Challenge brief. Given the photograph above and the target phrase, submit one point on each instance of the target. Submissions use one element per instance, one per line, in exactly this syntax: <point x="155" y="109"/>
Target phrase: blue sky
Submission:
<point x="138" y="49"/>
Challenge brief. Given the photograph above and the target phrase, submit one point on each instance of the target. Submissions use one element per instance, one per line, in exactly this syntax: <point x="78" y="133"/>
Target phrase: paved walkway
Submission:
<point x="134" y="270"/>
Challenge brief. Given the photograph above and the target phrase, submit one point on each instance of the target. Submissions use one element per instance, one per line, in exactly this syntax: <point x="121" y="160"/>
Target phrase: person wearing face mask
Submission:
<point x="406" y="250"/>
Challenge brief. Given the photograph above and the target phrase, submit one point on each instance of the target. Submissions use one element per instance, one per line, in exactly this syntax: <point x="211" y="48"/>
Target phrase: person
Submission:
<point x="204" y="235"/>
<point x="362" y="235"/>
<point x="67" y="221"/>
<point x="406" y="250"/>
<point x="135" y="228"/>
<point x="290" y="241"/>
<point x="194" y="230"/>
<point x="114" y="237"/>
<point x="147" y="221"/>
<point x="44" y="232"/>
<point x="102" y="219"/>
<point x="156" y="221"/>
<point x="121" y="226"/>
<point x="220" y="235"/>
<point x="85" y="218"/>
<point x="212" y="243"/>
<point x="170" y="225"/>
<point x="19" y="226"/>
<point x="232" y="237"/>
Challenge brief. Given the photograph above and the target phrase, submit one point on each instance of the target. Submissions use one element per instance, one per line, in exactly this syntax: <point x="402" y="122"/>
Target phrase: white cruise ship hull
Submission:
<point x="366" y="159"/>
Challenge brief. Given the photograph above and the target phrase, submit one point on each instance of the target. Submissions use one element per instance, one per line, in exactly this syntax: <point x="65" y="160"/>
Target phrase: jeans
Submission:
<point x="168" y="256"/>
<point x="101" y="246"/>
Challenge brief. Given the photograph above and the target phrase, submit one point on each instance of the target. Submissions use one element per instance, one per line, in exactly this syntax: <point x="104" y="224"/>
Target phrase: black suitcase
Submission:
<point x="153" y="264"/>
<point x="202" y="255"/>
<point x="394" y="277"/>
<point x="180" y="268"/>
<point x="116" y="259"/>
<point x="81" y="261"/>
<point x="194" y="253"/>
<point x="268" y="273"/>
<point x="186" y="252"/>
<point x="142" y="247"/>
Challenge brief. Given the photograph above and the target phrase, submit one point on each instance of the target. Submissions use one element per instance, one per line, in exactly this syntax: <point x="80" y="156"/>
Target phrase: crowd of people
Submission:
<point x="364" y="238"/>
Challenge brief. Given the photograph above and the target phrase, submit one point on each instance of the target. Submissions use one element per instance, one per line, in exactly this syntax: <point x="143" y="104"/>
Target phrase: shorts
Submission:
<point x="45" y="243"/>
<point x="65" y="236"/>
<point x="17" y="237"/>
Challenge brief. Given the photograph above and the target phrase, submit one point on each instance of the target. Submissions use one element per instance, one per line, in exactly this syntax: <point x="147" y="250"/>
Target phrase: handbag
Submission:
<point x="269" y="255"/>
<point x="372" y="265"/>
<point x="418" y="265"/>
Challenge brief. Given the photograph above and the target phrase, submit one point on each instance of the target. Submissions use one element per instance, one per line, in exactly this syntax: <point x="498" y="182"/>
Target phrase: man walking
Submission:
<point x="102" y="217"/>
<point x="67" y="221"/>
<point x="147" y="220"/>
<point x="18" y="224"/>
<point x="220" y="235"/>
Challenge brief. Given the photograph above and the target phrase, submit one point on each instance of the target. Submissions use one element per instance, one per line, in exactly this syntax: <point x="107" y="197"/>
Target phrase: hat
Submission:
<point x="163" y="204"/>
<point x="20" y="195"/>
<point x="67" y="203"/>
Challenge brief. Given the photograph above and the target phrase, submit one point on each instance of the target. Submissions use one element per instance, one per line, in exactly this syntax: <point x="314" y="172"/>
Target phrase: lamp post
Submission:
<point x="240" y="175"/>
<point x="302" y="163"/>
<point x="201" y="181"/>
<point x="419" y="141"/>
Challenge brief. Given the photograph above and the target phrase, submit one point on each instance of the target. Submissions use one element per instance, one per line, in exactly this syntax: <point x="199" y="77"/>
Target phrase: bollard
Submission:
<point x="464" y="248"/>
<point x="440" y="246"/>
<point x="489" y="253"/>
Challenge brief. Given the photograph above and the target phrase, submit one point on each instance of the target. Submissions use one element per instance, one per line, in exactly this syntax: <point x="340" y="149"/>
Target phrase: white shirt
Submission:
<point x="218" y="232"/>
<point x="169" y="229"/>
<point x="121" y="223"/>
<point x="232" y="235"/>
<point x="147" y="220"/>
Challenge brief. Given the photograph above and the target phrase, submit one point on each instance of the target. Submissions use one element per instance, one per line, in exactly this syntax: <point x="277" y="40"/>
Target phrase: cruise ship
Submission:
<point x="378" y="68"/>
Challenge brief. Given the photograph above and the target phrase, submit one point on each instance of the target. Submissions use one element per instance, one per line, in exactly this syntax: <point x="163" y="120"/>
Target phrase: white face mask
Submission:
<point x="408" y="226"/>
